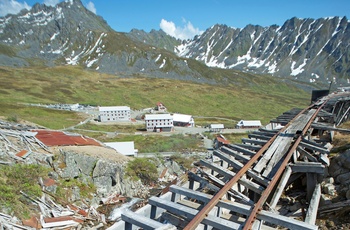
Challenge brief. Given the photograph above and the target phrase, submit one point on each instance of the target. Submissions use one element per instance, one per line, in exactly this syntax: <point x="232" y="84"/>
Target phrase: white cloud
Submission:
<point x="51" y="2"/>
<point x="12" y="7"/>
<point x="185" y="32"/>
<point x="91" y="6"/>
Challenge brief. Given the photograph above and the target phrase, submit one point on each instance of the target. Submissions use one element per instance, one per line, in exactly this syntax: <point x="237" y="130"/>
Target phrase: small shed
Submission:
<point x="244" y="124"/>
<point x="216" y="127"/>
<point x="160" y="107"/>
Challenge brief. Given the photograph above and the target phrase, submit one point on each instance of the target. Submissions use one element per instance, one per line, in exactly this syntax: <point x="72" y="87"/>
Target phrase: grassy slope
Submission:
<point x="249" y="98"/>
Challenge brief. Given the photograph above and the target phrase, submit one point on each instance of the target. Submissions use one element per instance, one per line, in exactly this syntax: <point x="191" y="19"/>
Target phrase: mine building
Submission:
<point x="159" y="122"/>
<point x="114" y="113"/>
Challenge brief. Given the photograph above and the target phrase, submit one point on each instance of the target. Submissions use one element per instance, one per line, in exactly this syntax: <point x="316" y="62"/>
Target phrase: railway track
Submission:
<point x="241" y="187"/>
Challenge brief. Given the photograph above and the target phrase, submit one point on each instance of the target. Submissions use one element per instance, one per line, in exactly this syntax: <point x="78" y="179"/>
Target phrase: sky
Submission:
<point x="186" y="18"/>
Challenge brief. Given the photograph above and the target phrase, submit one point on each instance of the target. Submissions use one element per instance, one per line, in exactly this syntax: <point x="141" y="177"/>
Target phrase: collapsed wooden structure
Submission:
<point x="241" y="187"/>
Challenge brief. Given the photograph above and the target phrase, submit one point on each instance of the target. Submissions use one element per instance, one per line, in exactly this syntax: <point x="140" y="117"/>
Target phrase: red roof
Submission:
<point x="222" y="140"/>
<point x="53" y="138"/>
<point x="22" y="153"/>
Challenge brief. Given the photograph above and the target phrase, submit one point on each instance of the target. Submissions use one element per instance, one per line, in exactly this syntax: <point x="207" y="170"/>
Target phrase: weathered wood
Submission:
<point x="190" y="213"/>
<point x="314" y="146"/>
<point x="242" y="150"/>
<point x="235" y="154"/>
<point x="313" y="206"/>
<point x="141" y="221"/>
<point x="311" y="181"/>
<point x="229" y="174"/>
<point x="245" y="210"/>
<point x="250" y="147"/>
<point x="329" y="128"/>
<point x="308" y="167"/>
<point x="282" y="184"/>
<point x="308" y="155"/>
<point x="260" y="133"/>
<point x="255" y="142"/>
<point x="238" y="165"/>
<point x="205" y="183"/>
<point x="258" y="137"/>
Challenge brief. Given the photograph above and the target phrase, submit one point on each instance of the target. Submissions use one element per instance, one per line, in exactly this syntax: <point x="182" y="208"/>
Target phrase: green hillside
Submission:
<point x="245" y="96"/>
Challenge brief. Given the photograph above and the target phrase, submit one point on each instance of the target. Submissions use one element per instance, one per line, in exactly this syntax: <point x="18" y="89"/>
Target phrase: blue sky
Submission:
<point x="185" y="18"/>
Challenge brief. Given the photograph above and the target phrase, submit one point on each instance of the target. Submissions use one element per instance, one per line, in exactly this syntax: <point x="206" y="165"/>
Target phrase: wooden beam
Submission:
<point x="250" y="147"/>
<point x="252" y="141"/>
<point x="282" y="184"/>
<point x="229" y="174"/>
<point x="245" y="210"/>
<point x="311" y="214"/>
<point x="308" y="167"/>
<point x="258" y="137"/>
<point x="313" y="146"/>
<point x="190" y="213"/>
<point x="242" y="150"/>
<point x="142" y="221"/>
<point x="235" y="154"/>
<point x="238" y="165"/>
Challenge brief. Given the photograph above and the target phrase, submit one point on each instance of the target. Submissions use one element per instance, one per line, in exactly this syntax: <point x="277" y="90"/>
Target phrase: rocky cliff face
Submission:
<point x="107" y="176"/>
<point x="304" y="49"/>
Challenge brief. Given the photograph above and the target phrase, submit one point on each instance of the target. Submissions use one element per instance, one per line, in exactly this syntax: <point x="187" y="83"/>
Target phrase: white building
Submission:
<point x="114" y="113"/>
<point x="159" y="122"/>
<point x="126" y="148"/>
<point x="242" y="124"/>
<point x="216" y="127"/>
<point x="183" y="120"/>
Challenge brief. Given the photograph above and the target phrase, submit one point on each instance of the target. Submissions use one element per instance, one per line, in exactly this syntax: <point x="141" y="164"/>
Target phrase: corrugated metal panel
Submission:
<point x="53" y="138"/>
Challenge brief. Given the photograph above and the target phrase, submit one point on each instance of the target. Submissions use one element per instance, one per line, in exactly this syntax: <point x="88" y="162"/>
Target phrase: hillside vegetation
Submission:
<point x="242" y="97"/>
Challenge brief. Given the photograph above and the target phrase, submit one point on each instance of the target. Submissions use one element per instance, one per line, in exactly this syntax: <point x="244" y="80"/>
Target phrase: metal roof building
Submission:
<point x="127" y="148"/>
<point x="183" y="120"/>
<point x="248" y="124"/>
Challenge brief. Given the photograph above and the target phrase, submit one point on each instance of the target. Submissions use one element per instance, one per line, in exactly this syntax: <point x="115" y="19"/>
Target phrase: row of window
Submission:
<point x="119" y="115"/>
<point x="155" y="124"/>
<point x="116" y="112"/>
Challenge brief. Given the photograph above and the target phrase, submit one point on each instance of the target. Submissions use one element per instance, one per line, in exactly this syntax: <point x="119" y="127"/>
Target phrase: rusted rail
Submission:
<point x="258" y="206"/>
<point x="213" y="202"/>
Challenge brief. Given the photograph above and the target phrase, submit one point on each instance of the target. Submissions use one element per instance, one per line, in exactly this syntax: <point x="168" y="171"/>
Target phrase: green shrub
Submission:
<point x="142" y="168"/>
<point x="17" y="178"/>
<point x="12" y="118"/>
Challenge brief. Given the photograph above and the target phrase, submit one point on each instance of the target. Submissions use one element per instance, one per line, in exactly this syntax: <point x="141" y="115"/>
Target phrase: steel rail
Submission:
<point x="258" y="206"/>
<point x="213" y="202"/>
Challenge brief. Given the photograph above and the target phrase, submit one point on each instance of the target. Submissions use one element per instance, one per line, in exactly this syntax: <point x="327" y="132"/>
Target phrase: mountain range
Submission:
<point x="315" y="51"/>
